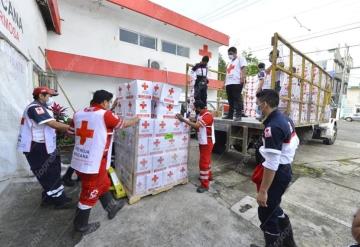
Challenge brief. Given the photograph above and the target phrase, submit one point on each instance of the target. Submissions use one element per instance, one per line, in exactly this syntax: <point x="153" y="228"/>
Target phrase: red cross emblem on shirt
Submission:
<point x="84" y="132"/>
<point x="170" y="174"/>
<point x="155" y="178"/>
<point x="162" y="124"/>
<point x="156" y="87"/>
<point x="171" y="91"/>
<point x="143" y="162"/>
<point x="157" y="142"/>
<point x="169" y="107"/>
<point x="144" y="86"/>
<point x="143" y="105"/>
<point x="230" y="68"/>
<point x="128" y="86"/>
<point x="145" y="124"/>
<point x="160" y="160"/>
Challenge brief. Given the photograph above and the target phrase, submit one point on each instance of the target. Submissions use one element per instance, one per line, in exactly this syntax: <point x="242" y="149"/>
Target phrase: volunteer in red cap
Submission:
<point x="93" y="128"/>
<point x="206" y="137"/>
<point x="37" y="140"/>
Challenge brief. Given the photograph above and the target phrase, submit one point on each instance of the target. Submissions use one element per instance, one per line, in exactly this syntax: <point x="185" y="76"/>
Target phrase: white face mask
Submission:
<point x="231" y="57"/>
<point x="50" y="101"/>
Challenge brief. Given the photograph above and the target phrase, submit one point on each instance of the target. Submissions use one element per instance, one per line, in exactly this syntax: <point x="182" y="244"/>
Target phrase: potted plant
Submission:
<point x="64" y="141"/>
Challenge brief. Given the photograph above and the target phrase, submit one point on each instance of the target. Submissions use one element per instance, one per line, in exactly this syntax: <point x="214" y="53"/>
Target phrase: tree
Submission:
<point x="221" y="68"/>
<point x="252" y="68"/>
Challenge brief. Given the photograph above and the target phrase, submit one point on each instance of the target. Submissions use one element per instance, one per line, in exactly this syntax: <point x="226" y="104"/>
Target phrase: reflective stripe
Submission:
<point x="204" y="172"/>
<point x="204" y="177"/>
<point x="58" y="194"/>
<point x="52" y="192"/>
<point x="83" y="206"/>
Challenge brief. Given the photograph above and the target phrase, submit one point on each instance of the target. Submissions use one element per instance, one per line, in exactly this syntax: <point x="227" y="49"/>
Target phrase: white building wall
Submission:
<point x="91" y="29"/>
<point x="16" y="79"/>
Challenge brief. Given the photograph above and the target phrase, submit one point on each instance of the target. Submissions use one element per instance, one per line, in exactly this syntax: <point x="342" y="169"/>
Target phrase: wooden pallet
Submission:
<point x="136" y="198"/>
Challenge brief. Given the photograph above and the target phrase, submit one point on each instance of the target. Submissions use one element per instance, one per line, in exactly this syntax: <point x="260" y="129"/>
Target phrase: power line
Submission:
<point x="225" y="7"/>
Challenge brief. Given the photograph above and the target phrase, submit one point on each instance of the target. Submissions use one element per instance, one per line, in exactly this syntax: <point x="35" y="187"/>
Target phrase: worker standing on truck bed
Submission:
<point x="93" y="128"/>
<point x="234" y="83"/>
<point x="278" y="150"/>
<point x="199" y="74"/>
<point x="206" y="136"/>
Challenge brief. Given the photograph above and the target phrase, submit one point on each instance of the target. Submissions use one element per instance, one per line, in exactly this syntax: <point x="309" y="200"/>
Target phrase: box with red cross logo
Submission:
<point x="156" y="145"/>
<point x="162" y="126"/>
<point x="182" y="172"/>
<point x="143" y="146"/>
<point x="160" y="162"/>
<point x="120" y="93"/>
<point x="154" y="180"/>
<point x="157" y="87"/>
<point x="182" y="141"/>
<point x="140" y="183"/>
<point x="146" y="127"/>
<point x="176" y="125"/>
<point x="170" y="94"/>
<point x="139" y="89"/>
<point x="144" y="164"/>
<point x="166" y="110"/>
<point x="170" y="143"/>
<point x="173" y="159"/>
<point x="140" y="108"/>
<point x="170" y="176"/>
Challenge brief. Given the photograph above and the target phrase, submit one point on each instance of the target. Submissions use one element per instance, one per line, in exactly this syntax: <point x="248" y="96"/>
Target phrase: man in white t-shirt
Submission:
<point x="234" y="82"/>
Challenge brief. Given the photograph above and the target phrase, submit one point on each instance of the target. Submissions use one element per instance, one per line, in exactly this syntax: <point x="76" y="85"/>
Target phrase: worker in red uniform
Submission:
<point x="206" y="137"/>
<point x="93" y="128"/>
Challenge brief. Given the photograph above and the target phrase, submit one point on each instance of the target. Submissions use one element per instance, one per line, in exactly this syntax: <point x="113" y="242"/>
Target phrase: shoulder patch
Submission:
<point x="267" y="132"/>
<point x="39" y="110"/>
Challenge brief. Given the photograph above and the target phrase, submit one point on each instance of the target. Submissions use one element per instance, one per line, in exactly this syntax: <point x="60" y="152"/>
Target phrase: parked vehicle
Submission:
<point x="353" y="117"/>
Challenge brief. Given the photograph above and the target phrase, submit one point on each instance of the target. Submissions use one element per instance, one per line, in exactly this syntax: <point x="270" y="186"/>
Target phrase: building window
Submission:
<point x="138" y="39"/>
<point x="175" y="49"/>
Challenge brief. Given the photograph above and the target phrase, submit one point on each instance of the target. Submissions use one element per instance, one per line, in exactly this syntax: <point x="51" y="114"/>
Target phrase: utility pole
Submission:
<point x="343" y="81"/>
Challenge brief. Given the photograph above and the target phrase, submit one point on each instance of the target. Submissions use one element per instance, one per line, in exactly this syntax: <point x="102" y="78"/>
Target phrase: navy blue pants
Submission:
<point x="47" y="169"/>
<point x="269" y="215"/>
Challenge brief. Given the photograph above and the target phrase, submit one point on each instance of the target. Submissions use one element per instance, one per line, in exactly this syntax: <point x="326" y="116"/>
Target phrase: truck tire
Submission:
<point x="220" y="142"/>
<point x="331" y="141"/>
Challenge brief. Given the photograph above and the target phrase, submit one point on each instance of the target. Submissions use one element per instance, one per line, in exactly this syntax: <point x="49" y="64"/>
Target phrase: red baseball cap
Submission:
<point x="46" y="90"/>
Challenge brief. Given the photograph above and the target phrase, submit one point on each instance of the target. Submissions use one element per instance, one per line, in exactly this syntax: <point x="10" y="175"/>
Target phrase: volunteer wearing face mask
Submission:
<point x="93" y="128"/>
<point x="37" y="140"/>
<point x="234" y="83"/>
<point x="205" y="129"/>
<point x="273" y="175"/>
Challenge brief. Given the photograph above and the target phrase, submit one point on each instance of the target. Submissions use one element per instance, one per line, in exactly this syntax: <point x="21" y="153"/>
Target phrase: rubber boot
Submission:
<point x="111" y="205"/>
<point x="81" y="222"/>
<point x="286" y="232"/>
<point x="237" y="116"/>
<point x="67" y="177"/>
<point x="272" y="240"/>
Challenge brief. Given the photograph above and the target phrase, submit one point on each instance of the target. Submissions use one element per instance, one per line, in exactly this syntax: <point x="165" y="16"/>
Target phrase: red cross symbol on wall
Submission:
<point x="143" y="105"/>
<point x="205" y="51"/>
<point x="143" y="162"/>
<point x="160" y="160"/>
<point x="156" y="87"/>
<point x="169" y="107"/>
<point x="162" y="124"/>
<point x="155" y="178"/>
<point x="157" y="142"/>
<point x="230" y="68"/>
<point x="171" y="91"/>
<point x="145" y="86"/>
<point x="170" y="174"/>
<point x="145" y="124"/>
<point x="84" y="132"/>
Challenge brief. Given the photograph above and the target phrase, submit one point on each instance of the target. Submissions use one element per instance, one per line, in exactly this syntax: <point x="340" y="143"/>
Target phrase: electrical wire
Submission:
<point x="224" y="7"/>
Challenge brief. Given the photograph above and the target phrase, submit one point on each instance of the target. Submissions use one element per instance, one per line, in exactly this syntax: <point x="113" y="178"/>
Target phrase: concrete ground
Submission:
<point x="321" y="200"/>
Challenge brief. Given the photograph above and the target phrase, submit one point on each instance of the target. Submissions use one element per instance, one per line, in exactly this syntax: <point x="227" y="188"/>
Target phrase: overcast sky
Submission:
<point x="251" y="23"/>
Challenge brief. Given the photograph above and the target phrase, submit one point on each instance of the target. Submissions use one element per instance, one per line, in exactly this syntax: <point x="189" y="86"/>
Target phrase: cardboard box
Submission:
<point x="154" y="180"/>
<point x="170" y="94"/>
<point x="120" y="108"/>
<point x="120" y="93"/>
<point x="163" y="126"/>
<point x="139" y="89"/>
<point x="143" y="146"/>
<point x="170" y="176"/>
<point x="143" y="164"/>
<point x="140" y="108"/>
<point x="170" y="144"/>
<point x="182" y="141"/>
<point x="157" y="88"/>
<point x="156" y="145"/>
<point x="185" y="129"/>
<point x="174" y="159"/>
<point x="166" y="110"/>
<point x="160" y="162"/>
<point x="140" y="184"/>
<point x="182" y="172"/>
<point x="146" y="127"/>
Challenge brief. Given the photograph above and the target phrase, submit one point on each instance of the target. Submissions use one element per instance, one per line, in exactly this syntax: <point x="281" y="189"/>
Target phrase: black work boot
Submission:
<point x="228" y="116"/>
<point x="237" y="116"/>
<point x="67" y="177"/>
<point x="111" y="205"/>
<point x="81" y="222"/>
<point x="272" y="240"/>
<point x="286" y="232"/>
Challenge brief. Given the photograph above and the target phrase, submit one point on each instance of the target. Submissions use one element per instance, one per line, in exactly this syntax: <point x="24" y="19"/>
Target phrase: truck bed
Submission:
<point x="247" y="122"/>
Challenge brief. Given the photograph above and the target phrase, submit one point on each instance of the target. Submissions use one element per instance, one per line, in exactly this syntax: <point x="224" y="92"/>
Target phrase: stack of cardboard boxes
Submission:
<point x="154" y="154"/>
